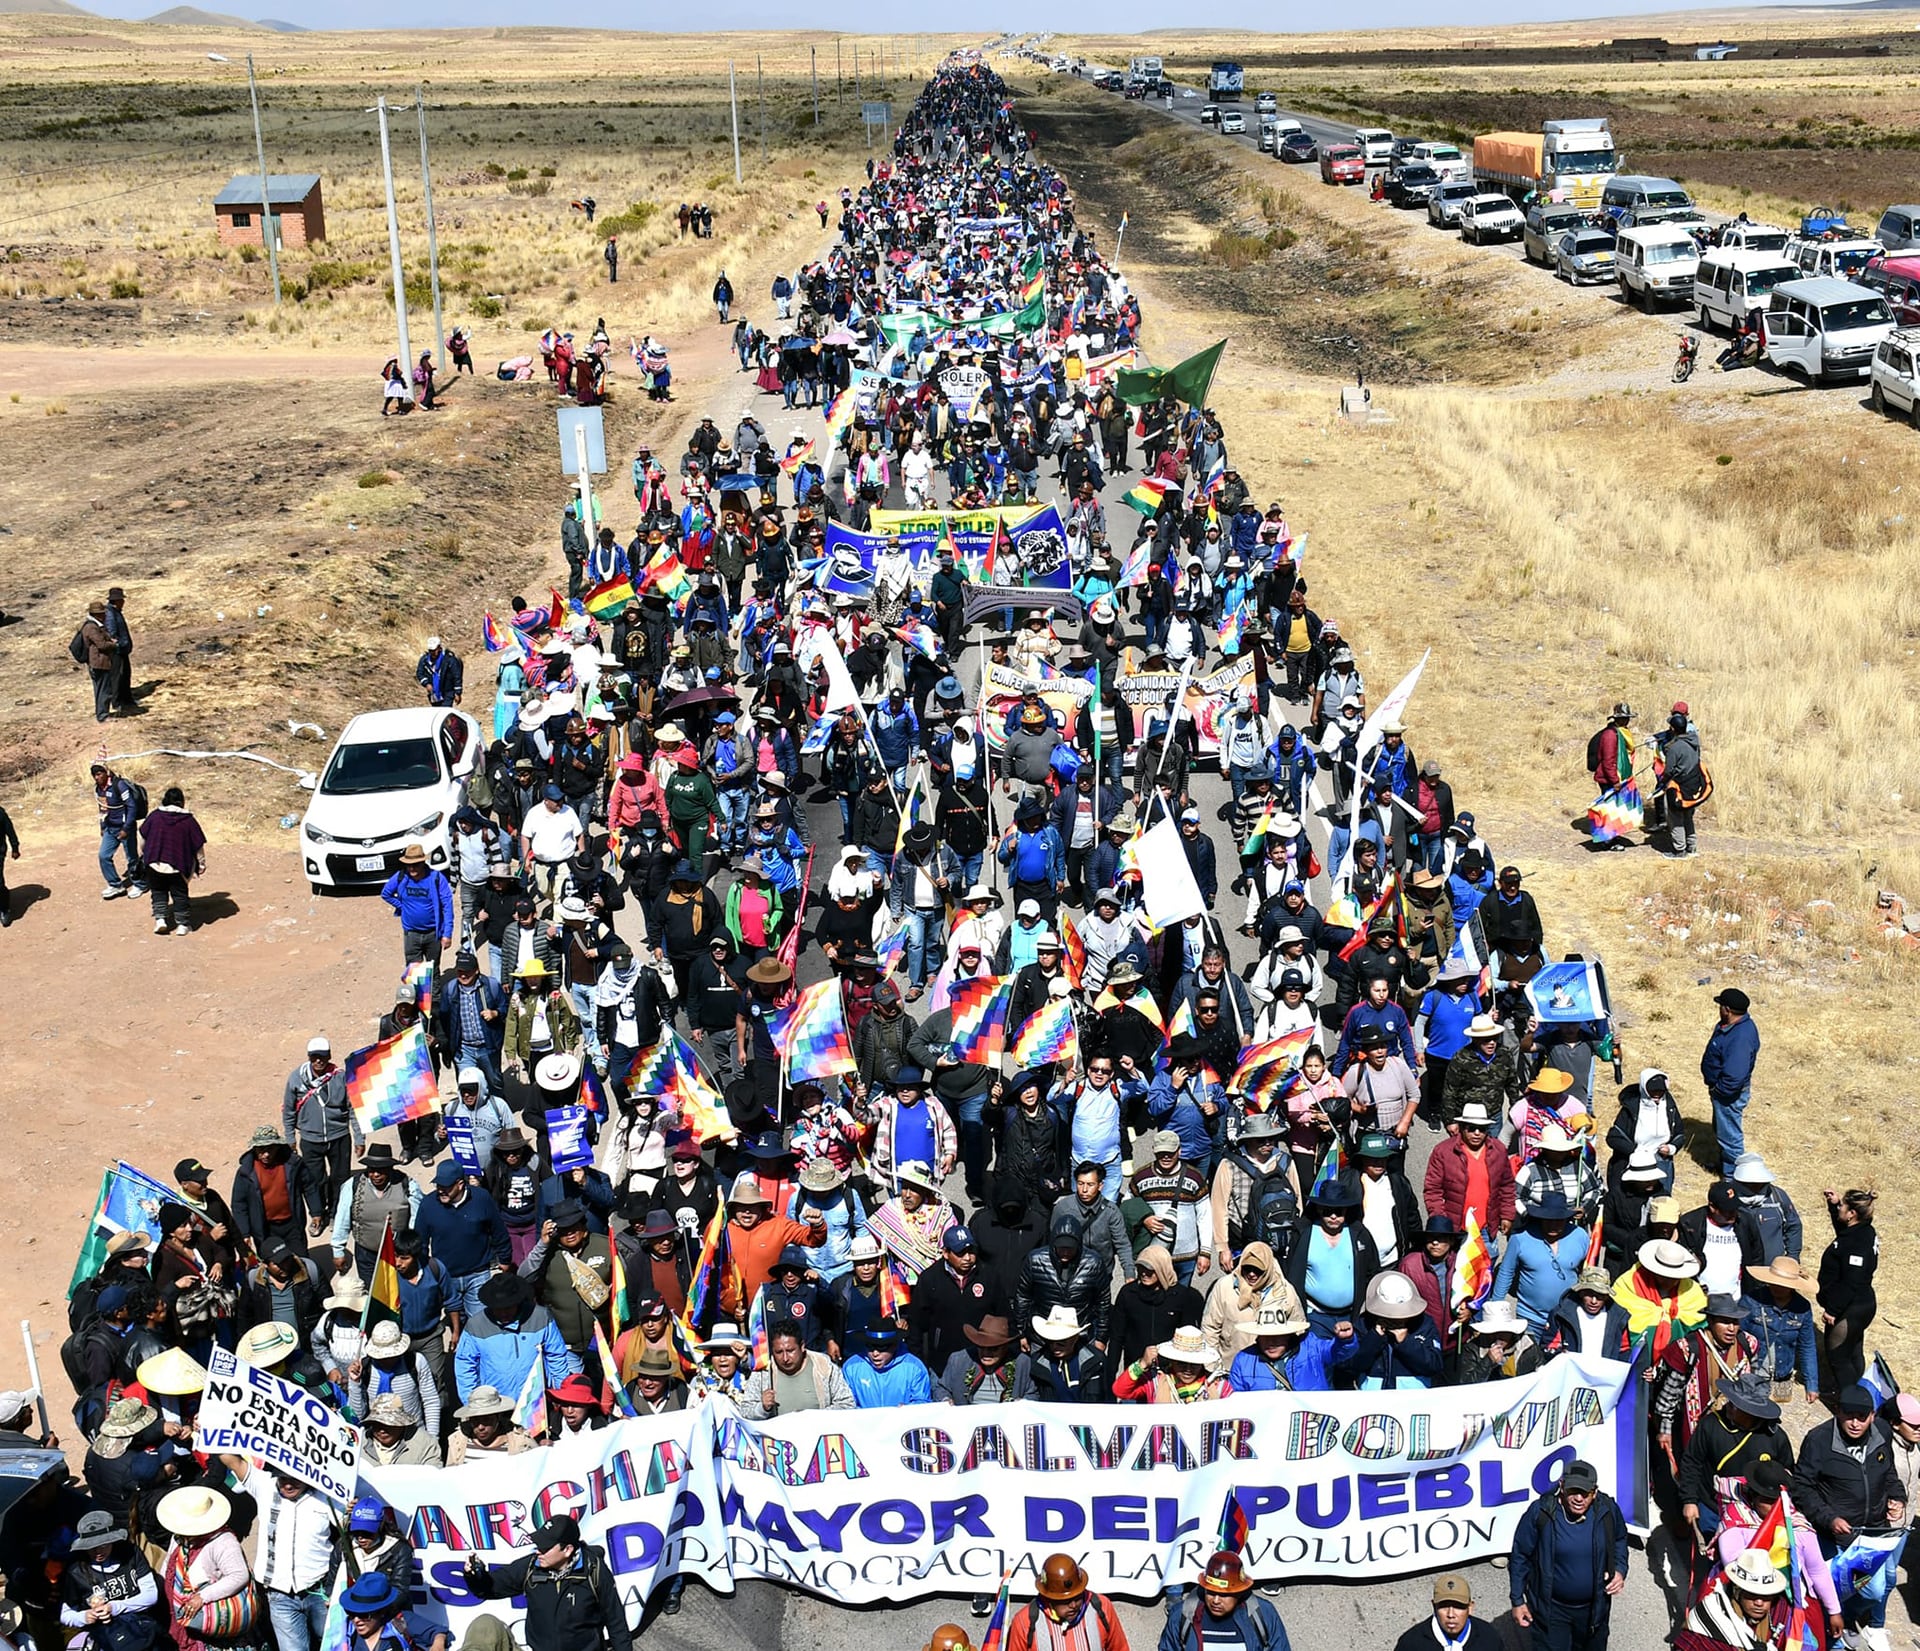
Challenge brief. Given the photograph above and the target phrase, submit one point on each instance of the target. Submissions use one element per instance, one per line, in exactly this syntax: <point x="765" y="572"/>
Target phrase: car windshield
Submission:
<point x="1767" y="240"/>
<point x="1456" y="191"/>
<point x="1591" y="241"/>
<point x="1667" y="197"/>
<point x="1443" y="152"/>
<point x="1486" y="205"/>
<point x="1765" y="280"/>
<point x="398" y="765"/>
<point x="1417" y="174"/>
<point x="1589" y="161"/>
<point x="1851" y="263"/>
<point x="1862" y="312"/>
<point x="1343" y="152"/>
<point x="1669" y="252"/>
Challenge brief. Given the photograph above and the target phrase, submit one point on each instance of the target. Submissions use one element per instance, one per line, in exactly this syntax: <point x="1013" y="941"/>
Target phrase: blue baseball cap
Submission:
<point x="448" y="1173"/>
<point x="367" y="1515"/>
<point x="553" y="794"/>
<point x="958" y="1240"/>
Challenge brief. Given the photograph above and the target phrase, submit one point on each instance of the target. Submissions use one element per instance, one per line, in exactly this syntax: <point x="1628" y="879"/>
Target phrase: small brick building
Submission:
<point x="295" y="199"/>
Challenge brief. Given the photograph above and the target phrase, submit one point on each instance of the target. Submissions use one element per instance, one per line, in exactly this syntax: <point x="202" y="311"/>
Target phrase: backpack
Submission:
<point x="1065" y="762"/>
<point x="77" y="648"/>
<point x="1273" y="1213"/>
<point x="73" y="1352"/>
<point x="139" y="794"/>
<point x="1594" y="752"/>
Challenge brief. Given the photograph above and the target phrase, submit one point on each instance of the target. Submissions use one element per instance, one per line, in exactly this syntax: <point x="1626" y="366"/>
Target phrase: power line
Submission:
<point x="71" y="206"/>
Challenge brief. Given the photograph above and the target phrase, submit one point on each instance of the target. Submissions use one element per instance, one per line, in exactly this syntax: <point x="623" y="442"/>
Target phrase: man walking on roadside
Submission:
<point x="315" y="1118"/>
<point x="1727" y="1066"/>
<point x="422" y="899"/>
<point x="1569" y="1561"/>
<point x="119" y="810"/>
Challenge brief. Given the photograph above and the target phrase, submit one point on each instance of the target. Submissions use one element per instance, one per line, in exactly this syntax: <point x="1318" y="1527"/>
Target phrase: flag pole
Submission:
<point x="366" y="1309"/>
<point x="33" y="1375"/>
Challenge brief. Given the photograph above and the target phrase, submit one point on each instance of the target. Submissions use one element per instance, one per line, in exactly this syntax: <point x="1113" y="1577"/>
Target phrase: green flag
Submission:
<point x="1032" y="316"/>
<point x="1036" y="262"/>
<point x="1188" y="382"/>
<point x="93" y="1248"/>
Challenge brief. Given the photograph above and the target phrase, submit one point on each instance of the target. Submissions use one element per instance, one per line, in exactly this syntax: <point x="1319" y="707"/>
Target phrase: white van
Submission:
<point x="1894" y="385"/>
<point x="1845" y="259"/>
<point x="1823" y="327"/>
<point x="1656" y="262"/>
<point x="1728" y="286"/>
<point x="1739" y="237"/>
<point x="1446" y="159"/>
<point x="1376" y="145"/>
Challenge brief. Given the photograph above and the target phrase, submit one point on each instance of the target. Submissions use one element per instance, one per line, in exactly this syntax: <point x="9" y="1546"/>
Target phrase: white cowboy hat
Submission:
<point x="1668" y="1258"/>
<point x="1500" y="1317"/>
<point x="917" y="1175"/>
<point x="193" y="1510"/>
<point x="1061" y="1323"/>
<point x="1275" y="1320"/>
<point x="1554" y="1138"/>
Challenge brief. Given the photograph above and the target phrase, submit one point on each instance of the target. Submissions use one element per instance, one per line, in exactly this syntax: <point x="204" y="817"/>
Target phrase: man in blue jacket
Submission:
<point x="1727" y="1066"/>
<point x="1220" y="1611"/>
<point x="422" y="898"/>
<point x="883" y="1373"/>
<point x="465" y="1234"/>
<point x="469" y="1013"/>
<point x="498" y="1345"/>
<point x="1569" y="1561"/>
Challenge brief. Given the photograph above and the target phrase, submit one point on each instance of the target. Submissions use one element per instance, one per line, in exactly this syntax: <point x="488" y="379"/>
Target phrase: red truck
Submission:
<point x="1342" y="163"/>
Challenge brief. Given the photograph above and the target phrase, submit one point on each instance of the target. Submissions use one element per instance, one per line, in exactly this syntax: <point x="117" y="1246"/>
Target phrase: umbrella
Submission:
<point x="698" y="696"/>
<point x="839" y="335"/>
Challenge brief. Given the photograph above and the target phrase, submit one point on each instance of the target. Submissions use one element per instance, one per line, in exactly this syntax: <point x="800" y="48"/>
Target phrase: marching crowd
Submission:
<point x="1136" y="1217"/>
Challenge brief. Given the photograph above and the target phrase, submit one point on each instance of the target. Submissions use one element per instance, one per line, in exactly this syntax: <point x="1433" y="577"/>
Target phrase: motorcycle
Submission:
<point x="1683" y="363"/>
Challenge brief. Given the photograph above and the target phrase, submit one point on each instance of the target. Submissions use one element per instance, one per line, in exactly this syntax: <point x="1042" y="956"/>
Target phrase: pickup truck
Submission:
<point x="1546" y="222"/>
<point x="1342" y="163"/>
<point x="1842" y="258"/>
<point x="1485" y="218"/>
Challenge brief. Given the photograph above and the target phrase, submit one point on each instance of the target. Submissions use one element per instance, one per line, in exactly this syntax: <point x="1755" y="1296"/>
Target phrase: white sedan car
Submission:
<point x="396" y="777"/>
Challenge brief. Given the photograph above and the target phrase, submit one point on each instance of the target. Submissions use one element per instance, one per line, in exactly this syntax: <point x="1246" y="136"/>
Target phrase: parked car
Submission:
<point x="1897" y="277"/>
<point x="1342" y="163"/>
<point x="395" y="777"/>
<point x="1376" y="144"/>
<point x="1231" y="120"/>
<point x="1899" y="228"/>
<point x="1632" y="192"/>
<point x="1412" y="184"/>
<point x="1729" y="286"/>
<point x="1656" y="263"/>
<point x="1446" y="159"/>
<point x="1894" y="381"/>
<point x="1209" y="114"/>
<point x="1269" y="139"/>
<point x="1485" y="218"/>
<point x="1584" y="255"/>
<point x="1267" y="104"/>
<point x="1739" y="237"/>
<point x="1297" y="147"/>
<point x="1823" y="328"/>
<point x="1444" y="204"/>
<point x="1846" y="258"/>
<point x="1546" y="222"/>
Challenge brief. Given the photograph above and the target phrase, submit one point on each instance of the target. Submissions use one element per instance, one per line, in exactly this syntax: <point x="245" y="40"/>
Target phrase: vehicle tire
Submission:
<point x="1704" y="320"/>
<point x="1913" y="412"/>
<point x="1875" y="399"/>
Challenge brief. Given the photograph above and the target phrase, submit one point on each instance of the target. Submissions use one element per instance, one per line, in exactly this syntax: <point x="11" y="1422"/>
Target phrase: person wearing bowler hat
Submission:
<point x="1452" y="1626"/>
<point x="1568" y="1563"/>
<point x="377" y="1618"/>
<point x="1543" y="1260"/>
<point x="573" y="1601"/>
<point x="1727" y="1067"/>
<point x="1065" y="1614"/>
<point x="378" y="1196"/>
<point x="1221" y="1610"/>
<point x="1334" y="1259"/>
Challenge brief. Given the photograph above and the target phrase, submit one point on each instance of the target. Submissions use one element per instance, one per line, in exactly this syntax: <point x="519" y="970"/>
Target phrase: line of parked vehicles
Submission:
<point x="1824" y="303"/>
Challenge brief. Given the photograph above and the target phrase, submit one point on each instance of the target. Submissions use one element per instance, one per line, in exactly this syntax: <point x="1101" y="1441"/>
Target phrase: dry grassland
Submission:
<point x="1563" y="528"/>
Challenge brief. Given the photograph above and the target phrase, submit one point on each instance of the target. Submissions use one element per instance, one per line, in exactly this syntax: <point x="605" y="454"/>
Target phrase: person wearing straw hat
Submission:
<point x="209" y="1589"/>
<point x="174" y="1380"/>
<point x="1761" y="1196"/>
<point x="1499" y="1344"/>
<point x="394" y="1437"/>
<point x="1180" y="1370"/>
<point x="128" y="1455"/>
<point x="1588" y="1320"/>
<point x="1560" y="1164"/>
<point x="1285" y="1356"/>
<point x="754" y="1238"/>
<point x="1220" y="1610"/>
<point x="1485" y="1070"/>
<point x="723" y="1367"/>
<point x="338" y="1340"/>
<point x="823" y="1188"/>
<point x="1739" y="1610"/>
<point x="108" y="1591"/>
<point x="1744" y="1515"/>
<point x="390" y="1366"/>
<point x="1783" y="1323"/>
<point x="486" y="1429"/>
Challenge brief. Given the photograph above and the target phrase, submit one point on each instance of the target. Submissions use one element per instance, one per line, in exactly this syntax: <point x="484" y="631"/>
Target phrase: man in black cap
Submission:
<point x="571" y="1267"/>
<point x="1727" y="1066"/>
<point x="573" y="1603"/>
<point x="1847" y="1482"/>
<point x="469" y="1013"/>
<point x="1569" y="1560"/>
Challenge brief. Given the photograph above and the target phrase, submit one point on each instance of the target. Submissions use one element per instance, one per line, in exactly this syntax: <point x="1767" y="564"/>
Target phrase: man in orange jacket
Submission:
<point x="752" y="1244"/>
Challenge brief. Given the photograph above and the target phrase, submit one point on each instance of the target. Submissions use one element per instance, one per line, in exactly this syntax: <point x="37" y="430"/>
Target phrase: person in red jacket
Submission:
<point x="1471" y="1170"/>
<point x="1065" y="1615"/>
<point x="1431" y="1269"/>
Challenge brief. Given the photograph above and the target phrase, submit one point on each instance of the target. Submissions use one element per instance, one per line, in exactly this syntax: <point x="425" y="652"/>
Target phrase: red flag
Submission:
<point x="557" y="611"/>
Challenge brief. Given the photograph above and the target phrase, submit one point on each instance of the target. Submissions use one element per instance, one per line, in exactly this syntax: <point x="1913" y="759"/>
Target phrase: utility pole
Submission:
<point x="813" y="63"/>
<point x="733" y="102"/>
<point x="433" y="240"/>
<point x="393" y="246"/>
<point x="836" y="68"/>
<point x="856" y="71"/>
<point x="760" y="97"/>
<point x="266" y="198"/>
